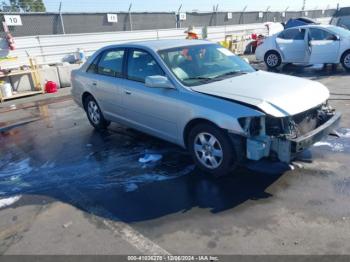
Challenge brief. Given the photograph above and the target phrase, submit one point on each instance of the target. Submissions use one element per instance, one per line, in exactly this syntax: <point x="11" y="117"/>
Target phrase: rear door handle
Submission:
<point x="128" y="92"/>
<point x="94" y="83"/>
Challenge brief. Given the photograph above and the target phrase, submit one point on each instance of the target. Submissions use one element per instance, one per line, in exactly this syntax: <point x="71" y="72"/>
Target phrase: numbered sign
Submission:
<point x="13" y="20"/>
<point x="112" y="18"/>
<point x="261" y="14"/>
<point x="182" y="16"/>
<point x="229" y="16"/>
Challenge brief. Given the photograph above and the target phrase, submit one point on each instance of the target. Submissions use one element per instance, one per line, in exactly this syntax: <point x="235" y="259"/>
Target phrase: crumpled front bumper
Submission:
<point x="307" y="140"/>
<point x="286" y="149"/>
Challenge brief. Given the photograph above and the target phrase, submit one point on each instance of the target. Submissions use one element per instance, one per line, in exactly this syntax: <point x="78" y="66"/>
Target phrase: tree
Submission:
<point x="24" y="5"/>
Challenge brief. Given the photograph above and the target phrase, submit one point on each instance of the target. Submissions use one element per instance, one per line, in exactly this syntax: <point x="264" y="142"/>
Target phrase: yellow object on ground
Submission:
<point x="8" y="58"/>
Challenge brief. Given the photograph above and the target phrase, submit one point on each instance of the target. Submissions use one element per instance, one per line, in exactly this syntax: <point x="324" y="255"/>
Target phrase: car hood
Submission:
<point x="275" y="94"/>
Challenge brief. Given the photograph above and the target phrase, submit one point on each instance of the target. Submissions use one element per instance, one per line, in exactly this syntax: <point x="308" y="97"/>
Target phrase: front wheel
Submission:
<point x="345" y="60"/>
<point x="272" y="59"/>
<point x="211" y="149"/>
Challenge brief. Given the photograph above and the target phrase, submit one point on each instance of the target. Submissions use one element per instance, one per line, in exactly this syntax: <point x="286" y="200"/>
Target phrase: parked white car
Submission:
<point x="306" y="45"/>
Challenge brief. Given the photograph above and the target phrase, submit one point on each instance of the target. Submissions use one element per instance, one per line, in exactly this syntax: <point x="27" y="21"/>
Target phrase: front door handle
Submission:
<point x="94" y="83"/>
<point x="127" y="92"/>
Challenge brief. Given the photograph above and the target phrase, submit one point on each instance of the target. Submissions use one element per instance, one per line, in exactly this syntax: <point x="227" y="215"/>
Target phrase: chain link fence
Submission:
<point x="75" y="23"/>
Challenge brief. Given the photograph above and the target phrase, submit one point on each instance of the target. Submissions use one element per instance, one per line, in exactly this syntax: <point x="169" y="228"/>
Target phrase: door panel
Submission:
<point x="105" y="79"/>
<point x="323" y="46"/>
<point x="153" y="110"/>
<point x="291" y="44"/>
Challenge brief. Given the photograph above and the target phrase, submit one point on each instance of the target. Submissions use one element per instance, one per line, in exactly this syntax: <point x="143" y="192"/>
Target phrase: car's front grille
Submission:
<point x="299" y="124"/>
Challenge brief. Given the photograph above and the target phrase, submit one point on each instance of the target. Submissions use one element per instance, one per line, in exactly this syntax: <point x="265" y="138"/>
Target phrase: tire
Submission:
<point x="94" y="114"/>
<point x="272" y="59"/>
<point x="211" y="149"/>
<point x="345" y="60"/>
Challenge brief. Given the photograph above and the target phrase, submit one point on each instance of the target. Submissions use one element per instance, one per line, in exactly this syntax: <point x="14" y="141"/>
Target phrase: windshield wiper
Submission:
<point x="199" y="78"/>
<point x="231" y="73"/>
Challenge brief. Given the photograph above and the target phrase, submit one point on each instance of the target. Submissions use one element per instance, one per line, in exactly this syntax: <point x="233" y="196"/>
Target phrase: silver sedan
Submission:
<point x="204" y="98"/>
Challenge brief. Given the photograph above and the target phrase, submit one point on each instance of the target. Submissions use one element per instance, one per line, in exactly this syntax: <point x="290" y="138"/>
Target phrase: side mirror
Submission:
<point x="334" y="38"/>
<point x="158" y="82"/>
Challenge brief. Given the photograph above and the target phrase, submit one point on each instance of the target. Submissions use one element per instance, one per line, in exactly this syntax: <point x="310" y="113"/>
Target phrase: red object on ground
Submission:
<point x="50" y="87"/>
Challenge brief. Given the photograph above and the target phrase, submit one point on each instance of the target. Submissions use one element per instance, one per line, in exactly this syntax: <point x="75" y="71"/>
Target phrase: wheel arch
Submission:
<point x="276" y="51"/>
<point x="342" y="55"/>
<point x="85" y="95"/>
<point x="192" y="123"/>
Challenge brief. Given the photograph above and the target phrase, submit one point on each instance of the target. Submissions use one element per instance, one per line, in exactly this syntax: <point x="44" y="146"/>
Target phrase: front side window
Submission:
<point x="141" y="64"/>
<point x="111" y="63"/>
<point x="199" y="64"/>
<point x="317" y="34"/>
<point x="292" y="34"/>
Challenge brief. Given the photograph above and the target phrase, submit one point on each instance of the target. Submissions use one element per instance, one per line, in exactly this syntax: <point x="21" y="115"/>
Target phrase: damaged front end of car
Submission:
<point x="284" y="137"/>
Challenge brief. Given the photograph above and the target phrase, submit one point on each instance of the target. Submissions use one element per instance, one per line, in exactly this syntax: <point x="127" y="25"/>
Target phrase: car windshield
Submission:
<point x="200" y="64"/>
<point x="340" y="31"/>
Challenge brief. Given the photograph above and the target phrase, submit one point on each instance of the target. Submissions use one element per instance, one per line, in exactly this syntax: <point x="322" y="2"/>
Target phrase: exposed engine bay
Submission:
<point x="300" y="124"/>
<point x="282" y="138"/>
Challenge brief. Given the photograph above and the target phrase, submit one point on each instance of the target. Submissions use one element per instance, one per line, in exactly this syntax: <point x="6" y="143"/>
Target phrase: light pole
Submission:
<point x="130" y="21"/>
<point x="178" y="21"/>
<point x="304" y="5"/>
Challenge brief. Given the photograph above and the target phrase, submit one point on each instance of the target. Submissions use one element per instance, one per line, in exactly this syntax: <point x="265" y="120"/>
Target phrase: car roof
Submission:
<point x="313" y="26"/>
<point x="161" y="44"/>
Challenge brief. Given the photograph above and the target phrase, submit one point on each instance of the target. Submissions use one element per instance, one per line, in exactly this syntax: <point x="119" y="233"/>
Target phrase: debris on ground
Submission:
<point x="149" y="158"/>
<point x="68" y="224"/>
<point x="4" y="202"/>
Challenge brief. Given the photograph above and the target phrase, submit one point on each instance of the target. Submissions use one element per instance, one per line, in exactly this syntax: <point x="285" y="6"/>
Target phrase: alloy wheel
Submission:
<point x="347" y="61"/>
<point x="208" y="150"/>
<point x="272" y="60"/>
<point x="94" y="112"/>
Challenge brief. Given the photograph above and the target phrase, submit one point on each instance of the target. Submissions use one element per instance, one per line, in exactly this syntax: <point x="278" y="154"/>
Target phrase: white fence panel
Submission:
<point x="59" y="48"/>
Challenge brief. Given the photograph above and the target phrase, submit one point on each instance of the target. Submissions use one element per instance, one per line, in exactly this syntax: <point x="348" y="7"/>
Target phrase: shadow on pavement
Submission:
<point x="61" y="157"/>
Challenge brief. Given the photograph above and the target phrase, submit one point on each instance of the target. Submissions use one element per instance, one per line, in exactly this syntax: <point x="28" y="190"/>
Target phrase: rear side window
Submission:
<point x="111" y="63"/>
<point x="292" y="34"/>
<point x="93" y="66"/>
<point x="141" y="64"/>
<point x="316" y="34"/>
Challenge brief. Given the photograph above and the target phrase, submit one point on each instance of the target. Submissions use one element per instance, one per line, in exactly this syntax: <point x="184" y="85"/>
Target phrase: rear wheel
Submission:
<point x="94" y="114"/>
<point x="272" y="59"/>
<point x="345" y="60"/>
<point x="211" y="149"/>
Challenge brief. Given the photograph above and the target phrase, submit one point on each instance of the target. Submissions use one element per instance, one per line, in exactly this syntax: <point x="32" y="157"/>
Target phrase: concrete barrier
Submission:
<point x="49" y="74"/>
<point x="64" y="72"/>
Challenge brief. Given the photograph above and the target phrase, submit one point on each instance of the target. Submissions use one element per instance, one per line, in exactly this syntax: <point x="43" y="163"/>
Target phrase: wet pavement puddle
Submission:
<point x="61" y="152"/>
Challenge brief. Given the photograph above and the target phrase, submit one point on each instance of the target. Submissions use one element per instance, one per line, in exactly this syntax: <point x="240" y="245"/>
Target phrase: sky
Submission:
<point x="187" y="5"/>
